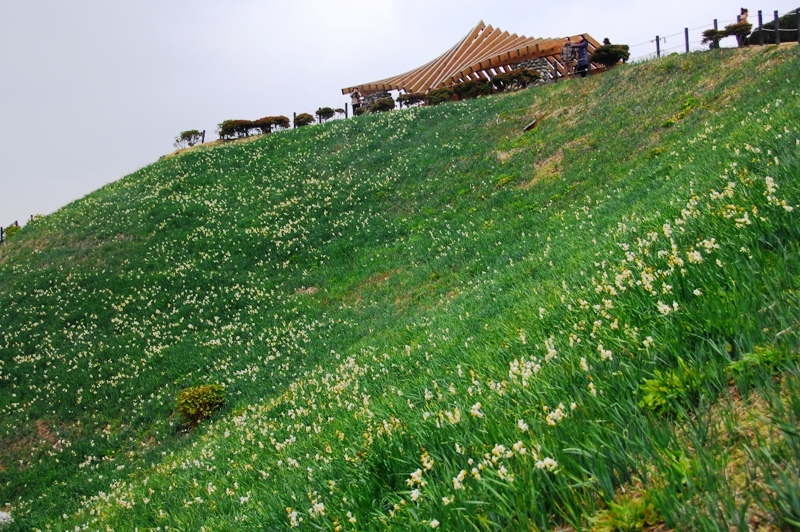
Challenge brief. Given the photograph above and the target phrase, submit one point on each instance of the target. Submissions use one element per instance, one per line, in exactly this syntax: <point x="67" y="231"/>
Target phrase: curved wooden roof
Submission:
<point x="484" y="52"/>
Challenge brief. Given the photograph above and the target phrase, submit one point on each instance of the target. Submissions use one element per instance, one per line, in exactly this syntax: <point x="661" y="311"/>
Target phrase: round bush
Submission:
<point x="199" y="402"/>
<point x="303" y="119"/>
<point x="381" y="106"/>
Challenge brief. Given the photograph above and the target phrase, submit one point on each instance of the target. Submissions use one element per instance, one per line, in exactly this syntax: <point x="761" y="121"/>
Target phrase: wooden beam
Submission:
<point x="483" y="53"/>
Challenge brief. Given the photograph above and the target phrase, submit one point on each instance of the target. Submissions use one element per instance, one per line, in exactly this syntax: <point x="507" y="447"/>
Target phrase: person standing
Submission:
<point x="568" y="57"/>
<point x="743" y="27"/>
<point x="582" y="52"/>
<point x="355" y="99"/>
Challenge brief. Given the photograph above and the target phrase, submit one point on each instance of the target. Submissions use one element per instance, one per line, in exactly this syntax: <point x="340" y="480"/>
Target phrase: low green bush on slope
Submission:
<point x="428" y="319"/>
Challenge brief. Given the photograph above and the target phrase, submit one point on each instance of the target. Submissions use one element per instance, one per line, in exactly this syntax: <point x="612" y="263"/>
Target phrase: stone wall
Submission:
<point x="372" y="98"/>
<point x="539" y="64"/>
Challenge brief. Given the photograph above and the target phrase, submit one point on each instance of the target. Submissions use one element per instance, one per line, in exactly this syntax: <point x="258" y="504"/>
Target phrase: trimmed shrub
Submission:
<point x="473" y="89"/>
<point x="281" y="122"/>
<point x="340" y="111"/>
<point x="358" y="111"/>
<point x="610" y="55"/>
<point x="230" y="129"/>
<point x="325" y="113"/>
<point x="199" y="402"/>
<point x="740" y="30"/>
<point x="383" y="105"/>
<point x="11" y="230"/>
<point x="711" y="37"/>
<point x="438" y="96"/>
<point x="519" y="78"/>
<point x="303" y="119"/>
<point x="268" y="124"/>
<point x="412" y="98"/>
<point x="189" y="138"/>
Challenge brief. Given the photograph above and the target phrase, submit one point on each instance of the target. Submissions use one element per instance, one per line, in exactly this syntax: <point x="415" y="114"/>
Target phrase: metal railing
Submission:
<point x="758" y="34"/>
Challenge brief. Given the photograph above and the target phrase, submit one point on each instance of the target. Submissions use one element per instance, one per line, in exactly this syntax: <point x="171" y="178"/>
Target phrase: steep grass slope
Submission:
<point x="429" y="319"/>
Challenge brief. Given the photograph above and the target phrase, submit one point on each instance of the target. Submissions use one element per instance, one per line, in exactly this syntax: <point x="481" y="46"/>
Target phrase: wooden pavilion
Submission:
<point x="483" y="53"/>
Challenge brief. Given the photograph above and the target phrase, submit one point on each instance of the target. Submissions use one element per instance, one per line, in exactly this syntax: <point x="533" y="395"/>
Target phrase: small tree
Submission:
<point x="235" y="129"/>
<point x="472" y="89"/>
<point x="358" y="111"/>
<point x="303" y="119"/>
<point x="711" y="37"/>
<point x="325" y="113"/>
<point x="382" y="105"/>
<point x="340" y="111"/>
<point x="740" y="30"/>
<point x="268" y="124"/>
<point x="264" y="124"/>
<point x="12" y="229"/>
<point x="189" y="138"/>
<point x="281" y="122"/>
<point x="438" y="96"/>
<point x="610" y="55"/>
<point x="411" y="98"/>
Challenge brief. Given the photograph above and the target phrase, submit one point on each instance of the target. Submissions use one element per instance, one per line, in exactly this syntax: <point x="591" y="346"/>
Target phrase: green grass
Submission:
<point x="427" y="317"/>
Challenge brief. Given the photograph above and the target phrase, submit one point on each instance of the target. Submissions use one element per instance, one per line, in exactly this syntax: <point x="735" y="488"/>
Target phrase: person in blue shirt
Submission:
<point x="582" y="52"/>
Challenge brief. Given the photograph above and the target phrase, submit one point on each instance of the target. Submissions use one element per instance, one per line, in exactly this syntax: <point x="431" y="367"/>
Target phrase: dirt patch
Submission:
<point x="357" y="295"/>
<point x="309" y="291"/>
<point x="503" y="156"/>
<point x="38" y="436"/>
<point x="546" y="169"/>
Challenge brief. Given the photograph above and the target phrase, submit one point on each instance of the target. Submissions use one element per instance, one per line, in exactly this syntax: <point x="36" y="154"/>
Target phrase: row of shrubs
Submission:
<point x="514" y="79"/>
<point x="230" y="129"/>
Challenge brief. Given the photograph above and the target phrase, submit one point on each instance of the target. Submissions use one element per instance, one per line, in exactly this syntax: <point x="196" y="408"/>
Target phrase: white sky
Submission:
<point x="91" y="90"/>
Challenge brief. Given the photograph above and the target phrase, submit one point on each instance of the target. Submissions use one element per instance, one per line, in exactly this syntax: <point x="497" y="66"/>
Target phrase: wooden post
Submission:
<point x="658" y="46"/>
<point x="345" y="111"/>
<point x="760" y="28"/>
<point x="797" y="19"/>
<point x="2" y="235"/>
<point x="686" y="33"/>
<point x="777" y="29"/>
<point x="204" y="137"/>
<point x="294" y="125"/>
<point x="716" y="27"/>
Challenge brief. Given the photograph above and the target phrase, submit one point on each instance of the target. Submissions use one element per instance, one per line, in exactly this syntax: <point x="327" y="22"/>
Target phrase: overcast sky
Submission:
<point x="91" y="90"/>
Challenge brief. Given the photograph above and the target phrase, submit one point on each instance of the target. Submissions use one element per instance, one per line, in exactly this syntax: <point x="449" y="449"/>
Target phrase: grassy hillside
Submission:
<point x="429" y="319"/>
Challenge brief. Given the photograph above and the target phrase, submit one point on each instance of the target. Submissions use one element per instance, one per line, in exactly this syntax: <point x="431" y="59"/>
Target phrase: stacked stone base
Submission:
<point x="372" y="98"/>
<point x="540" y="65"/>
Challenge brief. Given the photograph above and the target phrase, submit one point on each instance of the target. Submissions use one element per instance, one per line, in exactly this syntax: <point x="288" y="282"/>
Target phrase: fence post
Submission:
<point x="294" y="125"/>
<point x="686" y="32"/>
<point x="658" y="46"/>
<point x="797" y="19"/>
<point x="716" y="27"/>
<point x="345" y="111"/>
<point x="760" y="29"/>
<point x="204" y="137"/>
<point x="2" y="235"/>
<point x="777" y="28"/>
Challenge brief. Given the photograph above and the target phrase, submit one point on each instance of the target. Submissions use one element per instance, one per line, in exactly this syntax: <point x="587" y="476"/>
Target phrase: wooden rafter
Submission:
<point x="482" y="54"/>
